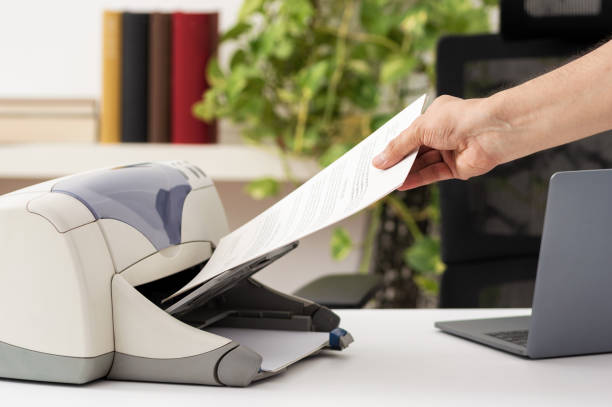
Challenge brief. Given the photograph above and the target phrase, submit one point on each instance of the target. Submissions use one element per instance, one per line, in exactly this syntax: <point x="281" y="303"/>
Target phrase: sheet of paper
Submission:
<point x="345" y="187"/>
<point x="278" y="349"/>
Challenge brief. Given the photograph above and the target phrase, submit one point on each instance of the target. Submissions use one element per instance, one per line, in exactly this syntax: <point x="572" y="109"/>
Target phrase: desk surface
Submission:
<point x="398" y="358"/>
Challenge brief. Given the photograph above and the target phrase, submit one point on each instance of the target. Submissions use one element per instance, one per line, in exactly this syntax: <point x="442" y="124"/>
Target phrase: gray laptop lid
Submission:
<point x="572" y="305"/>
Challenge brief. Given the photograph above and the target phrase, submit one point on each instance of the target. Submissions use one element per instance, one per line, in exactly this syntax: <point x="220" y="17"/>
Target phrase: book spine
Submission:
<point x="213" y="45"/>
<point x="110" y="121"/>
<point x="194" y="41"/>
<point x="134" y="77"/>
<point x="159" y="78"/>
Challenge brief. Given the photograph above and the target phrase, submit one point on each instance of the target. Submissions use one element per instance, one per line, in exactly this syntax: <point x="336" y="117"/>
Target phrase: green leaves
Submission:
<point x="263" y="188"/>
<point x="414" y="22"/>
<point x="340" y="244"/>
<point x="311" y="78"/>
<point x="206" y="109"/>
<point x="424" y="256"/>
<point x="298" y="14"/>
<point x="379" y="120"/>
<point x="249" y="7"/>
<point x="396" y="67"/>
<point x="359" y="66"/>
<point x="374" y="18"/>
<point x="236" y="31"/>
<point x="363" y="92"/>
<point x="334" y="152"/>
<point x="277" y="83"/>
<point x="278" y="80"/>
<point x="426" y="284"/>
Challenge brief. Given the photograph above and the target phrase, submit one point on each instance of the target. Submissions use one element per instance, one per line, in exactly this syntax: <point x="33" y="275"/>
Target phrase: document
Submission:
<point x="345" y="187"/>
<point x="278" y="349"/>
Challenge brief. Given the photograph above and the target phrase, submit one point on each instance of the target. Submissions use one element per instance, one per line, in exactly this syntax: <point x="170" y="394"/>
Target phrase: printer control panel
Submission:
<point x="194" y="174"/>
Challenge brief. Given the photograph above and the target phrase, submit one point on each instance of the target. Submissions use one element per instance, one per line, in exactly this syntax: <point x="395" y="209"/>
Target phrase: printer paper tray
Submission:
<point x="223" y="282"/>
<point x="278" y="349"/>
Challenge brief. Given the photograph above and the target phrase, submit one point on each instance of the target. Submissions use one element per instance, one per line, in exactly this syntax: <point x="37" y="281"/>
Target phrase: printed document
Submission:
<point x="345" y="187"/>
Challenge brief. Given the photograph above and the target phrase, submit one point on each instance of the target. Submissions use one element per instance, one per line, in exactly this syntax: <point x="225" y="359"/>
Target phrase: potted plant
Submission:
<point x="315" y="77"/>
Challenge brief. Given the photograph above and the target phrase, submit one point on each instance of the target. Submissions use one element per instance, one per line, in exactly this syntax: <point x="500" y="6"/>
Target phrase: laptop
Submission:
<point x="572" y="304"/>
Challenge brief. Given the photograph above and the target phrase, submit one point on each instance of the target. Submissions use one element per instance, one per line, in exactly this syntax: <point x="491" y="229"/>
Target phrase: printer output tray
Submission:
<point x="278" y="349"/>
<point x="281" y="328"/>
<point x="226" y="280"/>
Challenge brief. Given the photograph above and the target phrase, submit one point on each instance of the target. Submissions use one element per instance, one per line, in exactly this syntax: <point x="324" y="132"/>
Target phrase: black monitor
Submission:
<point x="491" y="225"/>
<point x="524" y="19"/>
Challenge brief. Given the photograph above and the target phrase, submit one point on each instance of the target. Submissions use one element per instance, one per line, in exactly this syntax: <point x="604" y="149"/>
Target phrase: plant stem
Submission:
<point x="300" y="128"/>
<point x="406" y="42"/>
<point x="364" y="38"/>
<point x="404" y="213"/>
<point x="330" y="99"/>
<point x="368" y="245"/>
<point x="365" y="125"/>
<point x="287" y="168"/>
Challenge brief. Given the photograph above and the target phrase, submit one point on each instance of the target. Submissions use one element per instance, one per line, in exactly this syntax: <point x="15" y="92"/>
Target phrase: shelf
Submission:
<point x="221" y="162"/>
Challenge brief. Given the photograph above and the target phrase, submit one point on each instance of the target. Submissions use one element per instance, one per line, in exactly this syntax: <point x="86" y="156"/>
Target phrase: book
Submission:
<point x="47" y="107"/>
<point x="134" y="76"/>
<point x="194" y="41"/>
<point x="159" y="78"/>
<point x="345" y="187"/>
<point x="110" y="116"/>
<point x="48" y="121"/>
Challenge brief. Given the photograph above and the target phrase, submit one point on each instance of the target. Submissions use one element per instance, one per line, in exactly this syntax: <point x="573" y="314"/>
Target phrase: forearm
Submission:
<point x="564" y="105"/>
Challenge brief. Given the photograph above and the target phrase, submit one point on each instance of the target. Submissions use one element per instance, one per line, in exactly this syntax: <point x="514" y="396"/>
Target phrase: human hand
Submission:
<point x="455" y="138"/>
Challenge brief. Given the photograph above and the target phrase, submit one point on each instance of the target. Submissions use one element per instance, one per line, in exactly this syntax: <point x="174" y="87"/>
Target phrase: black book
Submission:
<point x="134" y="77"/>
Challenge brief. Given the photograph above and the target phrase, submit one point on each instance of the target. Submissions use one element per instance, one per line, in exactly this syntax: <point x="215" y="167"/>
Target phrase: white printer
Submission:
<point x="87" y="260"/>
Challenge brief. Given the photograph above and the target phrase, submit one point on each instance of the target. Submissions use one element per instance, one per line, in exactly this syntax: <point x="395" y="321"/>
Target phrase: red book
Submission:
<point x="194" y="41"/>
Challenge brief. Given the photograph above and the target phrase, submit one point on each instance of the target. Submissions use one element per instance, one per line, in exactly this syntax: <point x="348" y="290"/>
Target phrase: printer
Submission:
<point x="88" y="261"/>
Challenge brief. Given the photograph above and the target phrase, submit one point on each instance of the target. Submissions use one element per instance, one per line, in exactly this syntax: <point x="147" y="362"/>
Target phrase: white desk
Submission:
<point x="398" y="359"/>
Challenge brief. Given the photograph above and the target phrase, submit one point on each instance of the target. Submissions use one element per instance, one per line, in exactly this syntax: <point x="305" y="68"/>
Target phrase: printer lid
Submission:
<point x="148" y="196"/>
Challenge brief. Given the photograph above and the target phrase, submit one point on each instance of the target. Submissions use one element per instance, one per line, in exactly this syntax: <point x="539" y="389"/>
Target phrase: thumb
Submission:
<point x="398" y="148"/>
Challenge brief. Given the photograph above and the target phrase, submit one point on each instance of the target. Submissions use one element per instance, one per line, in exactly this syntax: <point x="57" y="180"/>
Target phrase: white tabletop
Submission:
<point x="398" y="358"/>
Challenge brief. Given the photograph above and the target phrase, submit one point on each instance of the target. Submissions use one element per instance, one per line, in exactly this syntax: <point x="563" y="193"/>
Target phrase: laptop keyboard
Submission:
<point x="515" y="337"/>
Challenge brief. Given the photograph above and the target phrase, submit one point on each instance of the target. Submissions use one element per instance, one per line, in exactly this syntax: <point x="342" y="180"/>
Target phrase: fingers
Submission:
<point x="426" y="157"/>
<point x="398" y="148"/>
<point x="427" y="175"/>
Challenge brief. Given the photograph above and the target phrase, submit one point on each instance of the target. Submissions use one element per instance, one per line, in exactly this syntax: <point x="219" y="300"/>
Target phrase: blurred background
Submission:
<point x="261" y="94"/>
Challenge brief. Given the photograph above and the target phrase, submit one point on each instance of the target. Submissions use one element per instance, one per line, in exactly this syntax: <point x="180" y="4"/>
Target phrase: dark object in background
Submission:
<point x="392" y="239"/>
<point x="341" y="290"/>
<point x="491" y="225"/>
<point x="159" y="78"/>
<point x="391" y="283"/>
<point x="134" y="78"/>
<point x="523" y="19"/>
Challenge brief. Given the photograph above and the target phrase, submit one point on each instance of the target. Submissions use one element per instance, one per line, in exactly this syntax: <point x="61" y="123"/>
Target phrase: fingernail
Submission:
<point x="380" y="160"/>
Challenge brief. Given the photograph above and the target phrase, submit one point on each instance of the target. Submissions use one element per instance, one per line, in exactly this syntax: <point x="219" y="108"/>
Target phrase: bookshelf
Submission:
<point x="223" y="163"/>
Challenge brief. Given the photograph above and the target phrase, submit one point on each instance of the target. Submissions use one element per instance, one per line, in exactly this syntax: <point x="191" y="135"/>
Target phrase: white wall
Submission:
<point x="52" y="48"/>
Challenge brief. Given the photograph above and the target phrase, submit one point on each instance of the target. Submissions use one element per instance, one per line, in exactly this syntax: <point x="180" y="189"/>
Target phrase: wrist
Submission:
<point x="502" y="109"/>
<point x="511" y="129"/>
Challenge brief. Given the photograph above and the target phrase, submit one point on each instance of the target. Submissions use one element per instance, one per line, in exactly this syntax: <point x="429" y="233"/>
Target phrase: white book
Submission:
<point x="48" y="120"/>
